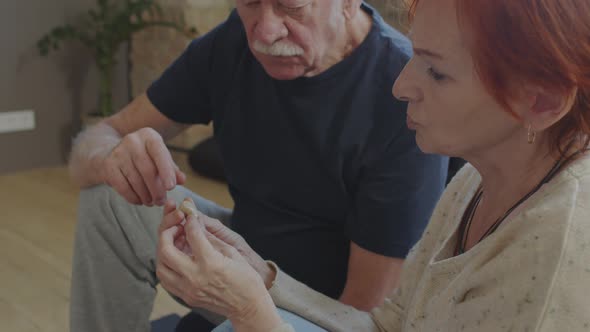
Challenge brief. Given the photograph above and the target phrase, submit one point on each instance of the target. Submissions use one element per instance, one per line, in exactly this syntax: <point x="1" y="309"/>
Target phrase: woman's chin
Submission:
<point x="426" y="146"/>
<point x="426" y="149"/>
<point x="423" y="144"/>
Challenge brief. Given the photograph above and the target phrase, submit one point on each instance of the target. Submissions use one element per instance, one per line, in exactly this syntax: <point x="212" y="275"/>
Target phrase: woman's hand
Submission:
<point x="208" y="273"/>
<point x="214" y="228"/>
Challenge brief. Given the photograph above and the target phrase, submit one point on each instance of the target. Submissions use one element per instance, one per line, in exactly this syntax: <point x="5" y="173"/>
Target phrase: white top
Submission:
<point x="532" y="274"/>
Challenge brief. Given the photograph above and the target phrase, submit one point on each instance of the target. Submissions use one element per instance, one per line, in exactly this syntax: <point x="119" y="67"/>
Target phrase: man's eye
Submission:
<point x="436" y="75"/>
<point x="252" y="4"/>
<point x="290" y="9"/>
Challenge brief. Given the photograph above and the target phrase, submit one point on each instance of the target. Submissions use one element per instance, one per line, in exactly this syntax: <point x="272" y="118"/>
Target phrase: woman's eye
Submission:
<point x="436" y="75"/>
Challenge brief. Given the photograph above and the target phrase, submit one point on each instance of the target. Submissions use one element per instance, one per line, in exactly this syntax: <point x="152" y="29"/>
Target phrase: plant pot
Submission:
<point x="105" y="91"/>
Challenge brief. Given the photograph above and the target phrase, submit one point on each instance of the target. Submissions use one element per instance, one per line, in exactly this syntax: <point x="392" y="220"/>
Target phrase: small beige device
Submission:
<point x="188" y="207"/>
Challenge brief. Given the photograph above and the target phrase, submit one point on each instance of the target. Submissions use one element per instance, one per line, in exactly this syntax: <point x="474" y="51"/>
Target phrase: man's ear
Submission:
<point x="350" y="8"/>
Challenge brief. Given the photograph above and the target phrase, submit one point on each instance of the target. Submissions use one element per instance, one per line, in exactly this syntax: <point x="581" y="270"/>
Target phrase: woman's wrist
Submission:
<point x="262" y="315"/>
<point x="267" y="271"/>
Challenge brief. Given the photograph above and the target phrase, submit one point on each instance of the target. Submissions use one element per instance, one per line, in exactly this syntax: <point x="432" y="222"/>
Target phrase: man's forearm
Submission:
<point x="370" y="279"/>
<point x="89" y="150"/>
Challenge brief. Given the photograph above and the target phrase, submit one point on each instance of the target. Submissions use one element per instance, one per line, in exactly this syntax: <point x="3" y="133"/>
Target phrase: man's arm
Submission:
<point x="93" y="145"/>
<point x="397" y="190"/>
<point x="371" y="277"/>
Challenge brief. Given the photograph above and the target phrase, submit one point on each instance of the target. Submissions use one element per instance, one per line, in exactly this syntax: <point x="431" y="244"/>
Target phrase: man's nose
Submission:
<point x="271" y="27"/>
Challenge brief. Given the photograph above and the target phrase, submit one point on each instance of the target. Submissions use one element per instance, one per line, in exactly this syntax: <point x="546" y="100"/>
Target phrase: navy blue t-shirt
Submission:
<point x="312" y="163"/>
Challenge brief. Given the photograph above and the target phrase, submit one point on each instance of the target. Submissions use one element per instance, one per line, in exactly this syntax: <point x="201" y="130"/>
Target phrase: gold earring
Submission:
<point x="531" y="134"/>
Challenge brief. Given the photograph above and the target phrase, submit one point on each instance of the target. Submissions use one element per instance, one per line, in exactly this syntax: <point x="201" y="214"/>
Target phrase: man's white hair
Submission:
<point x="279" y="48"/>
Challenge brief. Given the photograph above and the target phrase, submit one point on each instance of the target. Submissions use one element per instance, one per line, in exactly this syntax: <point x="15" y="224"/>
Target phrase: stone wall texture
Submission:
<point x="153" y="49"/>
<point x="393" y="11"/>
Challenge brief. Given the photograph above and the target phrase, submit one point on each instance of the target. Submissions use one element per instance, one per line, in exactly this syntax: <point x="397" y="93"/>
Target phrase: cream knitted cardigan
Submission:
<point x="532" y="274"/>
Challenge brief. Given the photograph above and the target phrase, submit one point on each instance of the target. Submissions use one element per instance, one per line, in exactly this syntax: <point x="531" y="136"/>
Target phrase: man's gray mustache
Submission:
<point x="279" y="48"/>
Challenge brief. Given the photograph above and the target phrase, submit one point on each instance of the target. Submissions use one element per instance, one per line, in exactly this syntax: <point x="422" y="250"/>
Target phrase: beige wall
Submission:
<point x="58" y="88"/>
<point x="61" y="87"/>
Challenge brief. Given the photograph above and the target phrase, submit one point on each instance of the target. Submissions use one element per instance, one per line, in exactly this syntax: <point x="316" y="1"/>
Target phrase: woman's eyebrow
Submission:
<point x="428" y="53"/>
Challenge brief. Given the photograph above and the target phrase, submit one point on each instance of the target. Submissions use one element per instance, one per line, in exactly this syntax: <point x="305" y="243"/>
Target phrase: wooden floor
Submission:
<point x="37" y="220"/>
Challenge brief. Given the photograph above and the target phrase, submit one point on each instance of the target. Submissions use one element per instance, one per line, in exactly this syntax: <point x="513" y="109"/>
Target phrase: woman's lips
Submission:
<point x="411" y="124"/>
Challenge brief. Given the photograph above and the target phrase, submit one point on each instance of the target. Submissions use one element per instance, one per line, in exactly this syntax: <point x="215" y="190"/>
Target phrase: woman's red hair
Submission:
<point x="545" y="43"/>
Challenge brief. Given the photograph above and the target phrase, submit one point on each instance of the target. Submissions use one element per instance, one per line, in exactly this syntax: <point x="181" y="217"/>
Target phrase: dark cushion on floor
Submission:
<point x="193" y="322"/>
<point x="165" y="324"/>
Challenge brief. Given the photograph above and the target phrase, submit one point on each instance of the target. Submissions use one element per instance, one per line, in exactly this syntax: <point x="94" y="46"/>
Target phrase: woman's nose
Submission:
<point x="405" y="88"/>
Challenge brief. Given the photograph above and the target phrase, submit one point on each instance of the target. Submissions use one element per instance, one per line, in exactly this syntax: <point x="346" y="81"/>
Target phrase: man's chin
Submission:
<point x="284" y="75"/>
<point x="284" y="71"/>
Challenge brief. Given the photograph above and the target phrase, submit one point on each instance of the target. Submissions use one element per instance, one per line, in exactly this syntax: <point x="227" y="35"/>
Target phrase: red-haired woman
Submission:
<point x="504" y="84"/>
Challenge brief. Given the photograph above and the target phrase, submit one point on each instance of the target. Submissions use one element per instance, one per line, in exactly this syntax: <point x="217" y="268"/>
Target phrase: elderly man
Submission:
<point x="326" y="178"/>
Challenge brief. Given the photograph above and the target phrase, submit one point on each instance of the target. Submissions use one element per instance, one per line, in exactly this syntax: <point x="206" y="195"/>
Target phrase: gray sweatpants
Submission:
<point x="114" y="265"/>
<point x="299" y="324"/>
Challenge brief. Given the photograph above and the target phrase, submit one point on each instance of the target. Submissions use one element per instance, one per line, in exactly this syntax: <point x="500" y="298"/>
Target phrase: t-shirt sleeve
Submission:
<point x="395" y="197"/>
<point x="183" y="93"/>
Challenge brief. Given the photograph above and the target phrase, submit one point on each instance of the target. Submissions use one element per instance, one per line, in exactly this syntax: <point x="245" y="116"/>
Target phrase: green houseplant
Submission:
<point x="104" y="29"/>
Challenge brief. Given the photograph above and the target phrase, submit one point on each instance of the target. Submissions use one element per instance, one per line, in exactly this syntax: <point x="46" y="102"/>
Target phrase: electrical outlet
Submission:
<point x="17" y="121"/>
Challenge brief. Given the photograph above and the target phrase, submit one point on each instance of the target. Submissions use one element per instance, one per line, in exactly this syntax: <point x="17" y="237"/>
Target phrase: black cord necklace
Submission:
<point x="470" y="212"/>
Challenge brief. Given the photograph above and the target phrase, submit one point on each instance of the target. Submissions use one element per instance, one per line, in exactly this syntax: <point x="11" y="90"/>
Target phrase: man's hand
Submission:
<point x="141" y="169"/>
<point x="126" y="151"/>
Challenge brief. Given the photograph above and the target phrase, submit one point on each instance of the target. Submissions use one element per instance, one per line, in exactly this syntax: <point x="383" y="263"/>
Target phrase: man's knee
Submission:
<point x="105" y="217"/>
<point x="94" y="202"/>
<point x="94" y="196"/>
<point x="102" y="209"/>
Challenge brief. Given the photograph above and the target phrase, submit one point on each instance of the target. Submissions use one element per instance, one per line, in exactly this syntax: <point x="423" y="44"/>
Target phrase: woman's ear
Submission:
<point x="545" y="108"/>
<point x="545" y="102"/>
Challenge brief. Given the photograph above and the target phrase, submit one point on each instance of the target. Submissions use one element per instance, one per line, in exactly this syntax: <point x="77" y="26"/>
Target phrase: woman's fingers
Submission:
<point x="202" y="249"/>
<point x="214" y="226"/>
<point x="172" y="218"/>
<point x="218" y="229"/>
<point x="171" y="256"/>
<point x="172" y="281"/>
<point x="224" y="233"/>
<point x="215" y="277"/>
<point x="182" y="245"/>
<point x="169" y="206"/>
<point x="222" y="247"/>
<point x="192" y="237"/>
